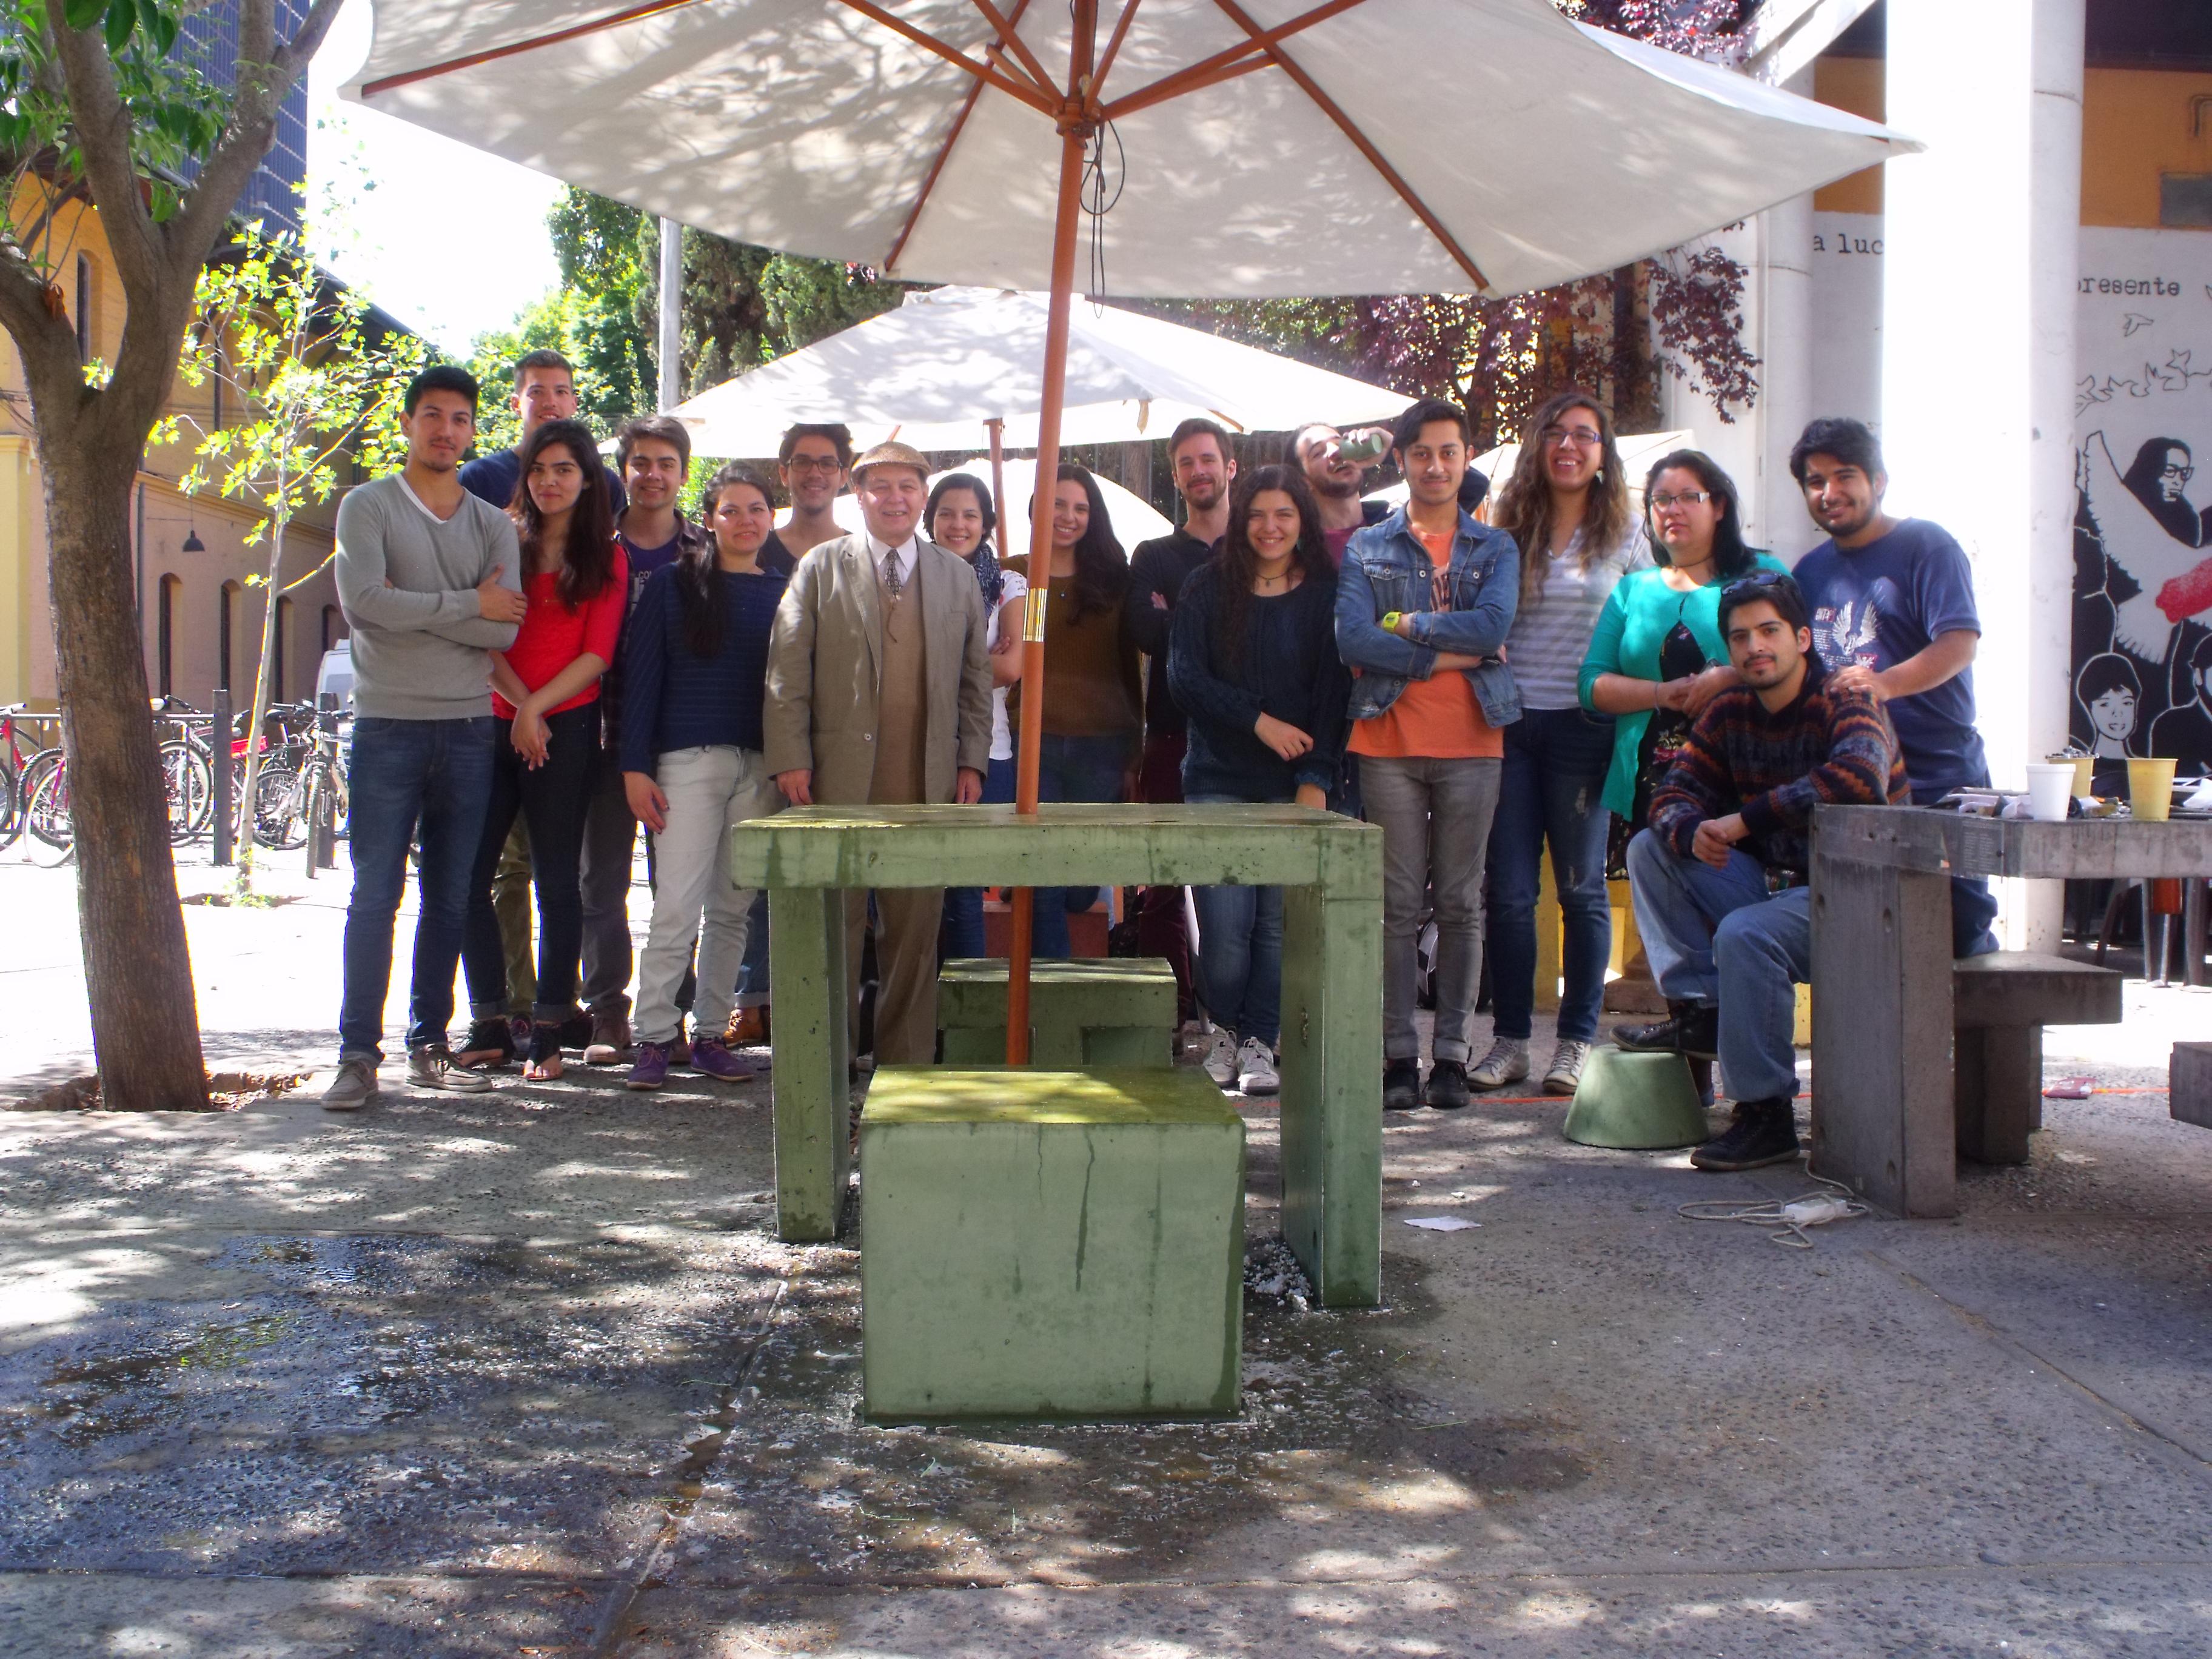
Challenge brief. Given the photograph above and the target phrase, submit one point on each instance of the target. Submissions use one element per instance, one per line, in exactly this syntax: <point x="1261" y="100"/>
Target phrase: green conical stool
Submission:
<point x="1636" y="1102"/>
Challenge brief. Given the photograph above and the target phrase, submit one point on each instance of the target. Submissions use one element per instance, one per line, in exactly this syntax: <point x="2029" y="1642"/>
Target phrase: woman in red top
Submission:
<point x="545" y="705"/>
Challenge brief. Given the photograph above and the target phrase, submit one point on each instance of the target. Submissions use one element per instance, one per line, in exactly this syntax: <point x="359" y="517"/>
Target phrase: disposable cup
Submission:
<point x="2084" y="766"/>
<point x="2150" y="789"/>
<point x="2050" y="788"/>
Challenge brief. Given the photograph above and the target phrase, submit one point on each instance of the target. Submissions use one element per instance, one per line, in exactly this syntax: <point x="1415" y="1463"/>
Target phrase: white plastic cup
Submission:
<point x="2050" y="787"/>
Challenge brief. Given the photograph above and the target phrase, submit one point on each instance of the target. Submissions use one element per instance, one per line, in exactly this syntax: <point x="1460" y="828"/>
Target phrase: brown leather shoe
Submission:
<point x="680" y="1049"/>
<point x="748" y="1028"/>
<point x="611" y="1039"/>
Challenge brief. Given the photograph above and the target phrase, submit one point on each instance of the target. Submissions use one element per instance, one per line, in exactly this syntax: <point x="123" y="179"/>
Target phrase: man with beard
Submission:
<point x="1319" y="451"/>
<point x="812" y="463"/>
<point x="1892" y="609"/>
<point x="1720" y="877"/>
<point x="1199" y="453"/>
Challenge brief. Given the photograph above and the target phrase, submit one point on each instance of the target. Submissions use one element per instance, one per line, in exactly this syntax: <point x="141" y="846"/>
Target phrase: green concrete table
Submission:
<point x="1330" y="868"/>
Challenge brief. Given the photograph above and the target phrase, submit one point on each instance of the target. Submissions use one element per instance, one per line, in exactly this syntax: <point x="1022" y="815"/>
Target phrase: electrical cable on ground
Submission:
<point x="1812" y="1209"/>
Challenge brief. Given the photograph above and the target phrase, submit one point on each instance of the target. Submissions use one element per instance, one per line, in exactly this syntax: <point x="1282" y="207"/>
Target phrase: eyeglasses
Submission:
<point x="1687" y="498"/>
<point x="814" y="463"/>
<point x="2184" y="473"/>
<point x="1583" y="435"/>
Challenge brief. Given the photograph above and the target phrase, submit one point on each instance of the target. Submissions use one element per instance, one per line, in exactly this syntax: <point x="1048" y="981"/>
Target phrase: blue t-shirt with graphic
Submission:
<point x="1878" y="605"/>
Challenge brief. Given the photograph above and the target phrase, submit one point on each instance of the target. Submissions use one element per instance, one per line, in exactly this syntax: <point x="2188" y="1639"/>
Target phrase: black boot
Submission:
<point x="1401" y="1085"/>
<point x="1690" y="1028"/>
<point x="1765" y="1131"/>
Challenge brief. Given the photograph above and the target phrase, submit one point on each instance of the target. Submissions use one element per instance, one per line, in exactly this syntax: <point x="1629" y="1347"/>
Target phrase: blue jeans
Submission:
<point x="1239" y="952"/>
<point x="436" y="775"/>
<point x="1073" y="769"/>
<point x="961" y="933"/>
<point x="552" y="799"/>
<point x="1552" y="789"/>
<point x="1718" y="936"/>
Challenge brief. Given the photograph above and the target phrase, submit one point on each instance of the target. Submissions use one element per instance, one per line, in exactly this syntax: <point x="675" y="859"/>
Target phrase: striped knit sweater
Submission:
<point x="1827" y="747"/>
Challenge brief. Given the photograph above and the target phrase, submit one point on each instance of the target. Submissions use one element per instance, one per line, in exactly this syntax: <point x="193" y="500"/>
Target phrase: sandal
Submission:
<point x="544" y="1065"/>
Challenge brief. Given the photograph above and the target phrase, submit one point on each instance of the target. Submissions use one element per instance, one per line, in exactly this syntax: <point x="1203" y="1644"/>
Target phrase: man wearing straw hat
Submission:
<point x="879" y="693"/>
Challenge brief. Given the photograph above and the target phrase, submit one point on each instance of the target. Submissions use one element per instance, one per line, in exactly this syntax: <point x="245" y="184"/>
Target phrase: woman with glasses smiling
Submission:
<point x="1567" y="505"/>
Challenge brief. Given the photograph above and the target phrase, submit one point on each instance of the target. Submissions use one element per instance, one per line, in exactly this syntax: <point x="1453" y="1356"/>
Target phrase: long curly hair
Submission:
<point x="587" y="563"/>
<point x="1237" y="564"/>
<point x="1525" y="507"/>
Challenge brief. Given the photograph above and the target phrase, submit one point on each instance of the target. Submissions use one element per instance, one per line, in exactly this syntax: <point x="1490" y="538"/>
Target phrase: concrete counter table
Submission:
<point x="1882" y="1111"/>
<point x="1329" y="868"/>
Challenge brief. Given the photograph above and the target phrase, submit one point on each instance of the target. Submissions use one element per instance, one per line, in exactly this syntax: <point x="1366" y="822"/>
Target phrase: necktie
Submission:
<point x="893" y="582"/>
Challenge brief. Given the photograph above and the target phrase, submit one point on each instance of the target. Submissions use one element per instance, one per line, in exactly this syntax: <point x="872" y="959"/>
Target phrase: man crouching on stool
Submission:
<point x="1719" y="879"/>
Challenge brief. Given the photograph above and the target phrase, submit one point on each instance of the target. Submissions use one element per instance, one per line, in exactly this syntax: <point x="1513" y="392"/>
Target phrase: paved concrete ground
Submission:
<point x="528" y="1373"/>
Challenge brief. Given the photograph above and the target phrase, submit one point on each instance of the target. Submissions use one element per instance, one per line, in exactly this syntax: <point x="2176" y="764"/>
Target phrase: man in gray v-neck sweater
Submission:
<point x="430" y="580"/>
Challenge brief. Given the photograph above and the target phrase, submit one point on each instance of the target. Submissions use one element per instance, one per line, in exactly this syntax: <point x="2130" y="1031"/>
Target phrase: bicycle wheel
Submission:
<point x="11" y="809"/>
<point x="46" y="801"/>
<point x="186" y="787"/>
<point x="278" y="821"/>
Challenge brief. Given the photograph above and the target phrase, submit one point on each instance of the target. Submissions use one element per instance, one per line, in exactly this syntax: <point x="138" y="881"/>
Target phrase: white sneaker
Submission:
<point x="1566" y="1073"/>
<point x="1255" y="1068"/>
<point x="1506" y="1062"/>
<point x="1221" y="1061"/>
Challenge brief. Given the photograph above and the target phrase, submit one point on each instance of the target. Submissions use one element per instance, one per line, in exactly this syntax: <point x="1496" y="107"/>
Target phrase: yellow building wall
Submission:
<point x="2136" y="125"/>
<point x="161" y="518"/>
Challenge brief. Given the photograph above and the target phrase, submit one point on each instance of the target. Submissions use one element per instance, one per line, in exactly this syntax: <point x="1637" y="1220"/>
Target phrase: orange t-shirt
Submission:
<point x="1434" y="719"/>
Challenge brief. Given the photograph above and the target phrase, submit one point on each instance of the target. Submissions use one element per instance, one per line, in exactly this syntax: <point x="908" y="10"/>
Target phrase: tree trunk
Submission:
<point x="138" y="967"/>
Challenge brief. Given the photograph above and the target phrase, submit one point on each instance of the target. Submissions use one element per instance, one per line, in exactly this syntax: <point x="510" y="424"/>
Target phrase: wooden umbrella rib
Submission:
<point x="1010" y="40"/>
<point x="944" y="154"/>
<point x="1208" y="70"/>
<point x="1360" y="142"/>
<point x="1113" y="48"/>
<point x="1004" y="82"/>
<point x="493" y="54"/>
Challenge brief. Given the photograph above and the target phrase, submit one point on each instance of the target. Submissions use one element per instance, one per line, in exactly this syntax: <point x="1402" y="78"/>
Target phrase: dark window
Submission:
<point x="277" y="665"/>
<point x="333" y="626"/>
<point x="2185" y="201"/>
<point x="228" y="603"/>
<point x="164" y="633"/>
<point x="84" y="307"/>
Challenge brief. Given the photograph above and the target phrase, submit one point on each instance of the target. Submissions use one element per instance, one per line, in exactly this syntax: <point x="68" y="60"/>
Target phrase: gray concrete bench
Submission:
<point x="2000" y="1005"/>
<point x="2189" y="1083"/>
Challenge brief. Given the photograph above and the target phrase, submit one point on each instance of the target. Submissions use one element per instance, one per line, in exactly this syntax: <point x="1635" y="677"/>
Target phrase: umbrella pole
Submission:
<point x="1047" y="477"/>
<point x="997" y="429"/>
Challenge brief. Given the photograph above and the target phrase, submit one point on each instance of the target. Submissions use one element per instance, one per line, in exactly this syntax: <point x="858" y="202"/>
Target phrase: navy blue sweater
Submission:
<point x="673" y="699"/>
<point x="1288" y="667"/>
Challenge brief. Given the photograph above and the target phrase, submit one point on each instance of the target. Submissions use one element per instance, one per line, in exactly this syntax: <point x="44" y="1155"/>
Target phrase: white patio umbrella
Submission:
<point x="1253" y="148"/>
<point x="940" y="368"/>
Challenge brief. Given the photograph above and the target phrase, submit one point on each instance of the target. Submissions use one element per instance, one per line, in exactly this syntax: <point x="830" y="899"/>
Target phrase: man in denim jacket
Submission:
<point x="1423" y="606"/>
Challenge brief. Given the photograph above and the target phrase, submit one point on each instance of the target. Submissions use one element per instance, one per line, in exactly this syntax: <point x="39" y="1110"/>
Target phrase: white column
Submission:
<point x="1982" y="235"/>
<point x="1785" y="375"/>
<point x="671" y="313"/>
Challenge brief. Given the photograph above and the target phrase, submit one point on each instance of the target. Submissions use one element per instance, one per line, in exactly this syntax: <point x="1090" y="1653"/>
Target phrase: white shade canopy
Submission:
<point x="932" y="372"/>
<point x="1381" y="147"/>
<point x="1134" y="517"/>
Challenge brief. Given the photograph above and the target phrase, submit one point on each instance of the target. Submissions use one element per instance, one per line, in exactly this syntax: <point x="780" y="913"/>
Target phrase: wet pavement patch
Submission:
<point x="377" y="1403"/>
<point x="807" y="1492"/>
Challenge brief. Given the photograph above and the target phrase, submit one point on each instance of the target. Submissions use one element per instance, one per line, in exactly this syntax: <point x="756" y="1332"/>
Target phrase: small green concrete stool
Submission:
<point x="1050" y="1244"/>
<point x="1636" y="1102"/>
<point x="1083" y="1012"/>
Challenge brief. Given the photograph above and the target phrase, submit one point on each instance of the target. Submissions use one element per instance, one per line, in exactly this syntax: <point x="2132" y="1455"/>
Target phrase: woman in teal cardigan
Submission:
<point x="1657" y="657"/>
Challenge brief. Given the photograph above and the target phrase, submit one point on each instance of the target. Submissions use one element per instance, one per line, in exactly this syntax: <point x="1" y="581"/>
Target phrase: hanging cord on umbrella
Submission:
<point x="1097" y="204"/>
<point x="1789" y="1216"/>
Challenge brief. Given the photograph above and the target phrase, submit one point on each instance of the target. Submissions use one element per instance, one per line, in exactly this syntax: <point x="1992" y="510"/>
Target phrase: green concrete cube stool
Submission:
<point x="1050" y="1244"/>
<point x="1636" y="1102"/>
<point x="1083" y="1012"/>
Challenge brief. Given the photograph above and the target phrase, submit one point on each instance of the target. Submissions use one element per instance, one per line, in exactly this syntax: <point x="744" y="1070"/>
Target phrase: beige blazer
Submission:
<point x="825" y="672"/>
